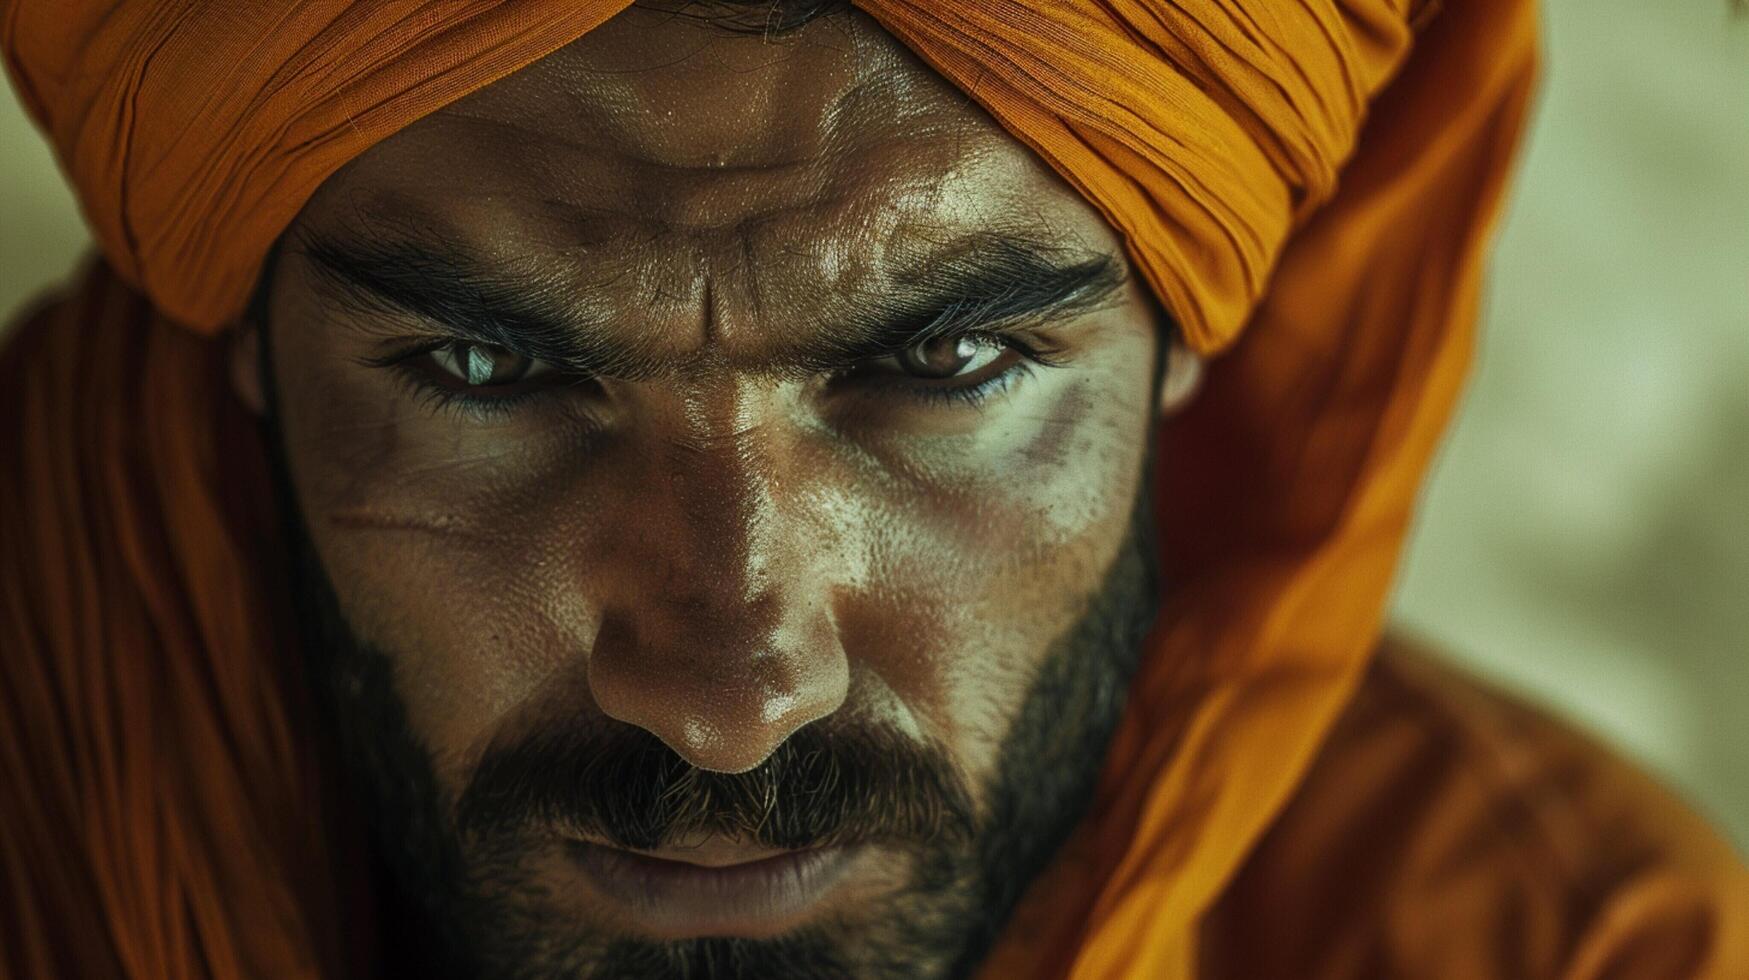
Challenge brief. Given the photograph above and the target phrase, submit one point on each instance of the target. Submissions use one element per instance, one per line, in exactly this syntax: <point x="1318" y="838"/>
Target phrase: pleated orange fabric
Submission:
<point x="159" y="816"/>
<point x="160" y="798"/>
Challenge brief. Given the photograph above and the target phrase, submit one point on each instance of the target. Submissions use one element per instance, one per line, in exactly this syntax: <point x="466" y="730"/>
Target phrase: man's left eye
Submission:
<point x="945" y="358"/>
<point x="961" y="368"/>
<point x="463" y="364"/>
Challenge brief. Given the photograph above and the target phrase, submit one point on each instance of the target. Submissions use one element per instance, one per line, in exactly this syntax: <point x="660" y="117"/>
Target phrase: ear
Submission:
<point x="1183" y="378"/>
<point x="245" y="357"/>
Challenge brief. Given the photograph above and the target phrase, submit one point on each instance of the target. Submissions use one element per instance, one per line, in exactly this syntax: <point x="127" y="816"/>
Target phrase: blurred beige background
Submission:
<point x="1585" y="539"/>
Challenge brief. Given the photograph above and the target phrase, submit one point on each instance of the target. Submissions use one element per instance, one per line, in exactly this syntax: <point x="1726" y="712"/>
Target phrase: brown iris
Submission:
<point x="940" y="358"/>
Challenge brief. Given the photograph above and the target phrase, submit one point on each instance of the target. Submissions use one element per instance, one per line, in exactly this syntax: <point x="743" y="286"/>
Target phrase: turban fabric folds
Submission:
<point x="1307" y="185"/>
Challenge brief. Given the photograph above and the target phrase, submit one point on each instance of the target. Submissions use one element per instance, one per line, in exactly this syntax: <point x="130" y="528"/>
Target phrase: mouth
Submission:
<point x="715" y="889"/>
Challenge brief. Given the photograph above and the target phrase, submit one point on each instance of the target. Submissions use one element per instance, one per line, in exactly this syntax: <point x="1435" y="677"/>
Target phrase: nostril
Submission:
<point x="716" y="726"/>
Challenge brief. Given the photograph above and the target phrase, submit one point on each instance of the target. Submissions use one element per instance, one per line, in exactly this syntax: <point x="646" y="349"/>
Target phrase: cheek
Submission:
<point x="988" y="557"/>
<point x="484" y="633"/>
<point x="419" y="525"/>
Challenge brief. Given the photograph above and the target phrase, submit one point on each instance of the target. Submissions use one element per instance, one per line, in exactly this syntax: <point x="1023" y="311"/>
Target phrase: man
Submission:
<point x="723" y="490"/>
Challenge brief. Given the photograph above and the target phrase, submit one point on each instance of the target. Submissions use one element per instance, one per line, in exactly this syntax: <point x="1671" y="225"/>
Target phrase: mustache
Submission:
<point x="822" y="787"/>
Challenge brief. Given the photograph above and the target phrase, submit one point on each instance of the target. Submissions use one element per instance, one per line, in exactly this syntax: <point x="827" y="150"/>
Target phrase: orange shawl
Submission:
<point x="1320" y="173"/>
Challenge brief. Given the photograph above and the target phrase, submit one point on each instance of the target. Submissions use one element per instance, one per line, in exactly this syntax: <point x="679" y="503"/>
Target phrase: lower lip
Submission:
<point x="677" y="900"/>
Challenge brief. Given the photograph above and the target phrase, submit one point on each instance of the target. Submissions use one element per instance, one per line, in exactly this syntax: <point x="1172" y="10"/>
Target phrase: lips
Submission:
<point x="714" y="889"/>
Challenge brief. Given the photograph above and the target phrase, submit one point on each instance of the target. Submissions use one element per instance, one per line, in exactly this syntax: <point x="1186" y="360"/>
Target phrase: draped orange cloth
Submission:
<point x="1307" y="185"/>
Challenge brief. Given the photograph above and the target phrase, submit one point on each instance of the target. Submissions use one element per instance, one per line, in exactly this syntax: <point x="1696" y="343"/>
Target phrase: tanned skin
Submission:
<point x="686" y="398"/>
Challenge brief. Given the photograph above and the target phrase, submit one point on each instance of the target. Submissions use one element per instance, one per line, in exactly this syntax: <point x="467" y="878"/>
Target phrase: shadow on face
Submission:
<point x="710" y="450"/>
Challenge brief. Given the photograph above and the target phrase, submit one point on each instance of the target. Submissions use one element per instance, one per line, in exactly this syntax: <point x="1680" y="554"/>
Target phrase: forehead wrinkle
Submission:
<point x="669" y="93"/>
<point x="789" y="227"/>
<point x="689" y="120"/>
<point x="592" y="106"/>
<point x="777" y="287"/>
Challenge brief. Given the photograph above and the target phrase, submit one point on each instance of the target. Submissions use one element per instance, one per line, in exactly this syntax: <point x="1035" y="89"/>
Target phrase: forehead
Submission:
<point x="717" y="171"/>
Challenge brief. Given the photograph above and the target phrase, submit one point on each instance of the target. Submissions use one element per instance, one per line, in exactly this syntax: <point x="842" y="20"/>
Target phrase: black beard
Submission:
<point x="455" y="901"/>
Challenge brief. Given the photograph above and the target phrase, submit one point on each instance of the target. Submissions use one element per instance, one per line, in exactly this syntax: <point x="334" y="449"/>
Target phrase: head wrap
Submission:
<point x="1320" y="174"/>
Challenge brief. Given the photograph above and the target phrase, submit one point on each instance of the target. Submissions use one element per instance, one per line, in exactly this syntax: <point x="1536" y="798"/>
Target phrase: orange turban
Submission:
<point x="1319" y="173"/>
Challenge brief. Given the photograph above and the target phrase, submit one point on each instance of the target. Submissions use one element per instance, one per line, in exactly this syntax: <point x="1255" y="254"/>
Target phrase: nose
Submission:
<point x="722" y="687"/>
<point x="720" y="639"/>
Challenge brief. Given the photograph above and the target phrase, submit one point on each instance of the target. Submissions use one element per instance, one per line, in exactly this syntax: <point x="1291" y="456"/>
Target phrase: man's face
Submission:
<point x="718" y="461"/>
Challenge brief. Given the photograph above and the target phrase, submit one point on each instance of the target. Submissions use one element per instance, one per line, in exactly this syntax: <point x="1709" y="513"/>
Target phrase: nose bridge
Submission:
<point x="730" y="645"/>
<point x="723" y="478"/>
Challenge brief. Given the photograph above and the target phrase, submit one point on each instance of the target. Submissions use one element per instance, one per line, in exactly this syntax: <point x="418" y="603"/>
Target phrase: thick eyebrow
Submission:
<point x="463" y="297"/>
<point x="985" y="282"/>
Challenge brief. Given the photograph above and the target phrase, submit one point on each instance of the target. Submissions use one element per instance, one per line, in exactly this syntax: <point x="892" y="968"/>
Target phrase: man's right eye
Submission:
<point x="468" y="365"/>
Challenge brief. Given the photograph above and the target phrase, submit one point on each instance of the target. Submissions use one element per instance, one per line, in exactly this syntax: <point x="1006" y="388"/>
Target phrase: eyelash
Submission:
<point x="489" y="407"/>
